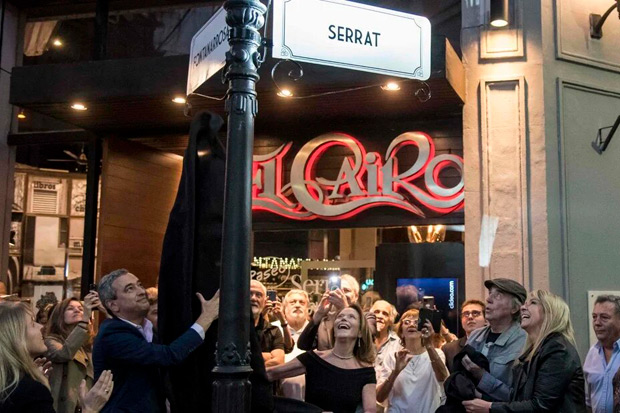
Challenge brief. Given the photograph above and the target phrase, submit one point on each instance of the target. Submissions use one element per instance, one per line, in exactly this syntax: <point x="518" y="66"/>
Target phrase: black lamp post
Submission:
<point x="231" y="388"/>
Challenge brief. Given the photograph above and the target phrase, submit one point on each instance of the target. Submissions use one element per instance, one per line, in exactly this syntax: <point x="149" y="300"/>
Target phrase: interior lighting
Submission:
<point x="391" y="86"/>
<point x="285" y="93"/>
<point x="57" y="43"/>
<point x="179" y="99"/>
<point x="499" y="13"/>
<point x="78" y="106"/>
<point x="21" y="114"/>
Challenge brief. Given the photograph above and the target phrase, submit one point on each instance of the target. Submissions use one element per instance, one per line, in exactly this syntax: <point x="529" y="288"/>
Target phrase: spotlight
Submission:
<point x="179" y="99"/>
<point x="21" y="114"/>
<point x="57" y="43"/>
<point x="285" y="93"/>
<point x="78" y="106"/>
<point x="391" y="86"/>
<point x="499" y="13"/>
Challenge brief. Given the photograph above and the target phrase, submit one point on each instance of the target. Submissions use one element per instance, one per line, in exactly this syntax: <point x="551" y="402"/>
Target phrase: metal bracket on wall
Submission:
<point x="597" y="21"/>
<point x="599" y="144"/>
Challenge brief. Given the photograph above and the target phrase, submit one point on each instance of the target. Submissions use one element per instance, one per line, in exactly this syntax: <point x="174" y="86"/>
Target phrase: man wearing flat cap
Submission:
<point x="502" y="340"/>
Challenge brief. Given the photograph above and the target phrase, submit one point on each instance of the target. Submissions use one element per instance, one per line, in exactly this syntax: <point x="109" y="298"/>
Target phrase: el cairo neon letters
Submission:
<point x="365" y="180"/>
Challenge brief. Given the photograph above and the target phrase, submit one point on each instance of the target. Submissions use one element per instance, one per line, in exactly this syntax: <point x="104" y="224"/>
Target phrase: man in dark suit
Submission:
<point x="124" y="344"/>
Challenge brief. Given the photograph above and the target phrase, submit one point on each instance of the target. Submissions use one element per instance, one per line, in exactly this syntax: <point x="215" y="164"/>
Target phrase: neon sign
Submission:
<point x="365" y="180"/>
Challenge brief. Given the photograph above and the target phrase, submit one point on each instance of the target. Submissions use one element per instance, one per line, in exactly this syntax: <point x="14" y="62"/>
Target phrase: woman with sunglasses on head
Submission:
<point x="23" y="386"/>
<point x="68" y="338"/>
<point x="341" y="379"/>
<point x="411" y="379"/>
<point x="548" y="375"/>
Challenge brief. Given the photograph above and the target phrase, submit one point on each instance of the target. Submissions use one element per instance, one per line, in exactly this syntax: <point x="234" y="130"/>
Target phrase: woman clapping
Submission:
<point x="23" y="386"/>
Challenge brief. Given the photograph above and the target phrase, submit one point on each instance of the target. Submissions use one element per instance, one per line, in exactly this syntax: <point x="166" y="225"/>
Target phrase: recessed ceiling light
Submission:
<point x="78" y="106"/>
<point x="57" y="42"/>
<point x="391" y="86"/>
<point x="21" y="114"/>
<point x="179" y="99"/>
<point x="285" y="93"/>
<point x="499" y="23"/>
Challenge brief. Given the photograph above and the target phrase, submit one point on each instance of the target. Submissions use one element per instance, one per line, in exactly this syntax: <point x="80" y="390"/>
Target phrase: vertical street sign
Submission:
<point x="208" y="50"/>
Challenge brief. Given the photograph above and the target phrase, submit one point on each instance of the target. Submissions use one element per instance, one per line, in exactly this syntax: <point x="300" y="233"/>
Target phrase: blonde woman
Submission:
<point x="343" y="378"/>
<point x="548" y="375"/>
<point x="411" y="379"/>
<point x="23" y="387"/>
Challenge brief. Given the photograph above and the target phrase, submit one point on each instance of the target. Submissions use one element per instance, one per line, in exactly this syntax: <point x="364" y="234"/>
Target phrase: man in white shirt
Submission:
<point x="603" y="360"/>
<point x="386" y="340"/>
<point x="292" y="317"/>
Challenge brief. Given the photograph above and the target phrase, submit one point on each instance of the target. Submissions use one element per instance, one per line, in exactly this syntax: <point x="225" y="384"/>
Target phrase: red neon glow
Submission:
<point x="307" y="197"/>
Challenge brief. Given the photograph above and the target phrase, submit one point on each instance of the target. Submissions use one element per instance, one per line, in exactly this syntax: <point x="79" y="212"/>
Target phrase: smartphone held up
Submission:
<point x="333" y="283"/>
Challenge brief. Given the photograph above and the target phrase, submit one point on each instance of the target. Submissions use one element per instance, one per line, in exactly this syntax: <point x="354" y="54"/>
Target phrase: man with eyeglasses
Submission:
<point x="472" y="318"/>
<point x="502" y="341"/>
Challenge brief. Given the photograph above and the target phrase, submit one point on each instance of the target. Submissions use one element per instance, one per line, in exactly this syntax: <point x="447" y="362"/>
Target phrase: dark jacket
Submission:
<point x="551" y="382"/>
<point x="269" y="336"/>
<point x="135" y="365"/>
<point x="460" y="385"/>
<point x="453" y="348"/>
<point x="191" y="262"/>
<point x="29" y="396"/>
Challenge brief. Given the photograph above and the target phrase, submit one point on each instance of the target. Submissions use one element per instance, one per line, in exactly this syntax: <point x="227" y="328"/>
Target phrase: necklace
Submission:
<point x="343" y="357"/>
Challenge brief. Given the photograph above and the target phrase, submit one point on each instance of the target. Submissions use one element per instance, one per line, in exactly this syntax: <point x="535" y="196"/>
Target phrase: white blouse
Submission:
<point x="416" y="388"/>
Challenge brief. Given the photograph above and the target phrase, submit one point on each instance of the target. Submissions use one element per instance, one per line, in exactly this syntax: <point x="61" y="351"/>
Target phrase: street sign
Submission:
<point x="208" y="52"/>
<point x="352" y="36"/>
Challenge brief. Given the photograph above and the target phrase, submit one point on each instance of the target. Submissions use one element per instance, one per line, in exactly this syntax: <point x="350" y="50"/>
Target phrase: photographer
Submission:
<point x="412" y="376"/>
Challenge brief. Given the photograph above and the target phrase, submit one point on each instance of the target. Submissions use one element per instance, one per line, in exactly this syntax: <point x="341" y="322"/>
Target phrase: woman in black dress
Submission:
<point x="23" y="387"/>
<point x="343" y="378"/>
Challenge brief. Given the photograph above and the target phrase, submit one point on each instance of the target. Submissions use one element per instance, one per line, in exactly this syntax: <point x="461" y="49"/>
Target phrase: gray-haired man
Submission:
<point x="124" y="344"/>
<point x="603" y="359"/>
<point x="502" y="340"/>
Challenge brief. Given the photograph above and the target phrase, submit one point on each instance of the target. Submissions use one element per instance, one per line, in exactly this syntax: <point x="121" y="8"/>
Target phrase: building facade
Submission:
<point x="540" y="202"/>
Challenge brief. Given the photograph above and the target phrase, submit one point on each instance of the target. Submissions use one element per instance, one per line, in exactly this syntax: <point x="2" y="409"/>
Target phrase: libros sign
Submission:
<point x="365" y="180"/>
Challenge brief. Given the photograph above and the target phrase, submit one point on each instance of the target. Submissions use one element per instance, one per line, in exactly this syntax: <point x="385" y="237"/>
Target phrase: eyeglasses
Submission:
<point x="474" y="314"/>
<point x="409" y="321"/>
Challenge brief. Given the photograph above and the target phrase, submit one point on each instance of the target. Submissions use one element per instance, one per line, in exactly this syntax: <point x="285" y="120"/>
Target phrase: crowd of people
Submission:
<point x="517" y="352"/>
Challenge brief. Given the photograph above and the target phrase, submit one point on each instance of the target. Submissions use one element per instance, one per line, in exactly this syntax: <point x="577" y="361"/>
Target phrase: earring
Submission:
<point x="358" y="342"/>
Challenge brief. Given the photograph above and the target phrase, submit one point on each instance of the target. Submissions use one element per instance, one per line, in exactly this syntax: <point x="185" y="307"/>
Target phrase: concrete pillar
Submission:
<point x="10" y="46"/>
<point x="358" y="243"/>
<point x="504" y="147"/>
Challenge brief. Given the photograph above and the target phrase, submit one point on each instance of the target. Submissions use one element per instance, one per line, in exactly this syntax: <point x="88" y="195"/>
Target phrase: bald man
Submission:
<point x="271" y="339"/>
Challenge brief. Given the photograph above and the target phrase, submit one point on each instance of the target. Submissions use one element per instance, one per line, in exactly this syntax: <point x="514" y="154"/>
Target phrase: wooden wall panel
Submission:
<point x="138" y="188"/>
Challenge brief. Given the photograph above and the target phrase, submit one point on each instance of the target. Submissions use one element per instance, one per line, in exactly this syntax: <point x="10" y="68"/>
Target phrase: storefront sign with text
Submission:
<point x="276" y="272"/>
<point x="365" y="180"/>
